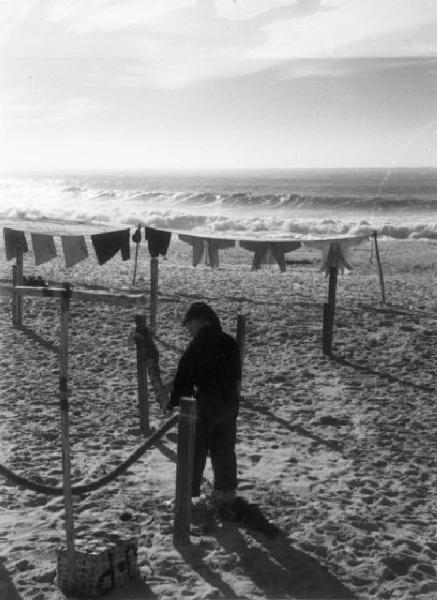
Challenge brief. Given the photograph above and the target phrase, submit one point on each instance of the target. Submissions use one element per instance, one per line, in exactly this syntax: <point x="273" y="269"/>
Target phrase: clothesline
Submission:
<point x="335" y="251"/>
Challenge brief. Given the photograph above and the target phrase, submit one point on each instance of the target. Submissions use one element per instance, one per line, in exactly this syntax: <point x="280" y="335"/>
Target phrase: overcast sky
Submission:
<point x="227" y="83"/>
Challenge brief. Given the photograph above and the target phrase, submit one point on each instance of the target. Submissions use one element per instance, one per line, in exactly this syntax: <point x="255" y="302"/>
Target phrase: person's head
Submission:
<point x="198" y="316"/>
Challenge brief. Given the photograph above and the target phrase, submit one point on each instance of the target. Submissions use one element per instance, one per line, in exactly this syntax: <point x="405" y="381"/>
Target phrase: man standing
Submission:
<point x="210" y="370"/>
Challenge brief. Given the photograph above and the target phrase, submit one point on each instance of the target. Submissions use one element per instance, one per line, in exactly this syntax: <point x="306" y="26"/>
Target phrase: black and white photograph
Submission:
<point x="218" y="297"/>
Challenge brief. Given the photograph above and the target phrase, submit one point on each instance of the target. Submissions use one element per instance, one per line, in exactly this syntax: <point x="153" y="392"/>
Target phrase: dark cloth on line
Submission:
<point x="74" y="248"/>
<point x="13" y="240"/>
<point x="106" y="245"/>
<point x="157" y="241"/>
<point x="137" y="235"/>
<point x="43" y="247"/>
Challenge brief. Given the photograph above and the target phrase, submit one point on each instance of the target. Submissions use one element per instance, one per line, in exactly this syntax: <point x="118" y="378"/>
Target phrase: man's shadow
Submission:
<point x="267" y="559"/>
<point x="279" y="569"/>
<point x="8" y="591"/>
<point x="133" y="590"/>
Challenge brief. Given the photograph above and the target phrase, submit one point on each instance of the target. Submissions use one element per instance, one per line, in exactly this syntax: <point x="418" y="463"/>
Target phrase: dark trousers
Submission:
<point x="216" y="436"/>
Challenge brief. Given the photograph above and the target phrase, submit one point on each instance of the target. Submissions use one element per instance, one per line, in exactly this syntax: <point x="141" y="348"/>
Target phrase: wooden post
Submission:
<point x="184" y="471"/>
<point x="329" y="312"/>
<point x="378" y="261"/>
<point x="14" y="296"/>
<point x="137" y="239"/>
<point x="154" y="276"/>
<point x="241" y="333"/>
<point x="332" y="288"/>
<point x="143" y="392"/>
<point x="19" y="281"/>
<point x="327" y="331"/>
<point x="65" y="427"/>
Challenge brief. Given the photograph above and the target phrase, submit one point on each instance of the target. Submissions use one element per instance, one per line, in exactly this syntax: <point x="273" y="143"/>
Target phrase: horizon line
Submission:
<point x="109" y="170"/>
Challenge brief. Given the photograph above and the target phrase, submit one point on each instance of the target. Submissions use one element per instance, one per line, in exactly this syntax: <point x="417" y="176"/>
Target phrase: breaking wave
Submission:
<point x="400" y="210"/>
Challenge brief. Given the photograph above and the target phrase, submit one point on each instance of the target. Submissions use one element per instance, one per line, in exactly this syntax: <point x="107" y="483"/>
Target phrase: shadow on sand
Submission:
<point x="8" y="590"/>
<point x="267" y="559"/>
<point x="137" y="589"/>
<point x="37" y="338"/>
<point x="331" y="444"/>
<point x="369" y="371"/>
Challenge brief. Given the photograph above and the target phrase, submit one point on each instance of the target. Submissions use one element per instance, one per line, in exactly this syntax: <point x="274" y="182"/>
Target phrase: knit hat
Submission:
<point x="201" y="310"/>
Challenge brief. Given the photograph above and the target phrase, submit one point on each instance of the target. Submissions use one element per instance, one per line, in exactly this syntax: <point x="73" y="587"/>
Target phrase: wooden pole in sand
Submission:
<point x="184" y="471"/>
<point x="241" y="334"/>
<point x="14" y="296"/>
<point x="137" y="238"/>
<point x="329" y="312"/>
<point x="154" y="277"/>
<point x="19" y="281"/>
<point x="326" y="341"/>
<point x="378" y="261"/>
<point x="143" y="392"/>
<point x="65" y="430"/>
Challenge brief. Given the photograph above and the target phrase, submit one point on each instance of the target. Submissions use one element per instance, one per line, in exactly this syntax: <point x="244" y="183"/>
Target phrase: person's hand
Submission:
<point x="136" y="335"/>
<point x="164" y="397"/>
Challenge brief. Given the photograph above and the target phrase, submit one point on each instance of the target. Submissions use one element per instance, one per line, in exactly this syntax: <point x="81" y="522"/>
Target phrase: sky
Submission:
<point x="201" y="84"/>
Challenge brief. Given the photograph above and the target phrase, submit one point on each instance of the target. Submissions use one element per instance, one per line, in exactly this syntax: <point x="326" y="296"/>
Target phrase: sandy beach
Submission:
<point x="338" y="454"/>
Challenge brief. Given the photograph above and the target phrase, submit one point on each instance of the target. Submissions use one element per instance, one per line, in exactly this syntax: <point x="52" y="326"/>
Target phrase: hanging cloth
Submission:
<point x="269" y="252"/>
<point x="336" y="252"/>
<point x="13" y="240"/>
<point x="137" y="235"/>
<point x="106" y="245"/>
<point x="157" y="241"/>
<point x="74" y="248"/>
<point x="43" y="247"/>
<point x="205" y="250"/>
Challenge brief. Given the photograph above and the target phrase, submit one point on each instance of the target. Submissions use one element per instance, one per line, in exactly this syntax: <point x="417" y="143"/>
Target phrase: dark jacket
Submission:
<point x="209" y="370"/>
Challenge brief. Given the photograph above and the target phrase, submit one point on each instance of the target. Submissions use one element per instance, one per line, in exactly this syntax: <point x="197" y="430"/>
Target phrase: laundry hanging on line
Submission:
<point x="205" y="250"/>
<point x="44" y="247"/>
<point x="336" y="252"/>
<point x="74" y="248"/>
<point x="269" y="252"/>
<point x="157" y="241"/>
<point x="106" y="245"/>
<point x="13" y="241"/>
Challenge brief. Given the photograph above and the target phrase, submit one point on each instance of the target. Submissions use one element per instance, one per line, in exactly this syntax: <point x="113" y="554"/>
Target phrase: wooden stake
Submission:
<point x="184" y="471"/>
<point x="19" y="281"/>
<point x="143" y="392"/>
<point x="332" y="291"/>
<point x="327" y="331"/>
<point x="154" y="276"/>
<point x="329" y="312"/>
<point x="14" y="296"/>
<point x="65" y="426"/>
<point x="138" y="234"/>
<point x="241" y="334"/>
<point x="378" y="261"/>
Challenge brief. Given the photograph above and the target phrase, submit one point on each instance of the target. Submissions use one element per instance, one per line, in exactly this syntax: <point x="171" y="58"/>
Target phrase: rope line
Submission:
<point x="94" y="485"/>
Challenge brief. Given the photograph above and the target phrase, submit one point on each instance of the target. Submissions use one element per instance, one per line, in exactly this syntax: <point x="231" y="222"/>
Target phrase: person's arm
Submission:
<point x="183" y="384"/>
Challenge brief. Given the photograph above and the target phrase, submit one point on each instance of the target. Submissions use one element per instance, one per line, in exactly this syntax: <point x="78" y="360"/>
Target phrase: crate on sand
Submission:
<point x="100" y="566"/>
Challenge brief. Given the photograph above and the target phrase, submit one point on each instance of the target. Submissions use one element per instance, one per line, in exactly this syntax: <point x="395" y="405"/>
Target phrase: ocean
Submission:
<point x="304" y="203"/>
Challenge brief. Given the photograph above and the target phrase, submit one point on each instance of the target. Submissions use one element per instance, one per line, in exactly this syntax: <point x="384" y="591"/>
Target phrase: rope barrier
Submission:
<point x="94" y="485"/>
